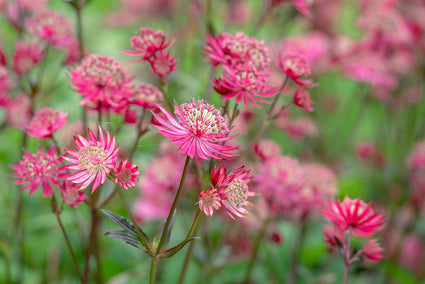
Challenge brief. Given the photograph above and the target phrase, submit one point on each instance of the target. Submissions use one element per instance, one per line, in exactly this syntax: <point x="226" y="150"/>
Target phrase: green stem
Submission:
<point x="173" y="207"/>
<point x="193" y="230"/>
<point x="154" y="265"/>
<point x="68" y="243"/>
<point x="295" y="252"/>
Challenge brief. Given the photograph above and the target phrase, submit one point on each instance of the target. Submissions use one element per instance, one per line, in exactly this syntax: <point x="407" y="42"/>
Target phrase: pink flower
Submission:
<point x="333" y="236"/>
<point x="147" y="44"/>
<point x="39" y="169"/>
<point x="200" y="129"/>
<point x="246" y="85"/>
<point x="355" y="215"/>
<point x="27" y="55"/>
<point x="302" y="99"/>
<point x="294" y="66"/>
<point x="5" y="83"/>
<point x="71" y="194"/>
<point x="51" y="27"/>
<point x="146" y="96"/>
<point x="162" y="64"/>
<point x="18" y="111"/>
<point x="2" y="57"/>
<point x="416" y="159"/>
<point x="126" y="174"/>
<point x="208" y="200"/>
<point x="372" y="250"/>
<point x="93" y="160"/>
<point x="45" y="122"/>
<point x="267" y="149"/>
<point x="100" y="79"/>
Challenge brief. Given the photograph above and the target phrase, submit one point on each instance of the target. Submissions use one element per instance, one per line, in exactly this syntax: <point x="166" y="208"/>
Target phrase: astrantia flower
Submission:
<point x="267" y="149"/>
<point x="162" y="64"/>
<point x="302" y="99"/>
<point x="39" y="169"/>
<point x="354" y="214"/>
<point x="200" y="129"/>
<point x="147" y="44"/>
<point x="295" y="66"/>
<point x="146" y="96"/>
<point x="126" y="174"/>
<point x="208" y="200"/>
<point x="71" y="194"/>
<point x="93" y="160"/>
<point x="246" y="86"/>
<point x="100" y="79"/>
<point x="372" y="250"/>
<point x="27" y="55"/>
<point x="45" y="122"/>
<point x="5" y="83"/>
<point x="51" y="27"/>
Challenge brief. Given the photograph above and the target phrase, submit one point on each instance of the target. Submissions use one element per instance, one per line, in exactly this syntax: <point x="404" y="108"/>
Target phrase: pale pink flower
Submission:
<point x="6" y="84"/>
<point x="93" y="160"/>
<point x="416" y="159"/>
<point x="52" y="27"/>
<point x="372" y="250"/>
<point x="245" y="86"/>
<point x="267" y="149"/>
<point x="146" y="96"/>
<point x="101" y="80"/>
<point x="45" y="122"/>
<point x="162" y="64"/>
<point x="39" y="169"/>
<point x="411" y="254"/>
<point x="200" y="129"/>
<point x="302" y="99"/>
<point x="147" y="43"/>
<point x="18" y="111"/>
<point x="71" y="194"/>
<point x="299" y="128"/>
<point x="294" y="66"/>
<point x="354" y="215"/>
<point x="368" y="151"/>
<point x="208" y="201"/>
<point x="126" y="174"/>
<point x="27" y="55"/>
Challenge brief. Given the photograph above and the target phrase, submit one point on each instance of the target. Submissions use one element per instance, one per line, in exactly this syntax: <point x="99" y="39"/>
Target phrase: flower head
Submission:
<point x="93" y="160"/>
<point x="39" y="169"/>
<point x="294" y="66"/>
<point x="126" y="174"/>
<point x="27" y="55"/>
<point x="200" y="129"/>
<point x="372" y="250"/>
<point x="147" y="43"/>
<point x="45" y="122"/>
<point x="208" y="200"/>
<point x="146" y="96"/>
<point x="100" y="79"/>
<point x="71" y="194"/>
<point x="162" y="64"/>
<point x="51" y="27"/>
<point x="354" y="214"/>
<point x="302" y="99"/>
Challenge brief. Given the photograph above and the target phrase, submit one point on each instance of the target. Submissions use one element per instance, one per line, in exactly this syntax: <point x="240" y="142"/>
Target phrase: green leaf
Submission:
<point x="172" y="251"/>
<point x="125" y="237"/>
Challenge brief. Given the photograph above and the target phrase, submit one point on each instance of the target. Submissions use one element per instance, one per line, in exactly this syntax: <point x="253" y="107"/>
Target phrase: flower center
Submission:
<point x="124" y="175"/>
<point x="237" y="192"/>
<point x="92" y="157"/>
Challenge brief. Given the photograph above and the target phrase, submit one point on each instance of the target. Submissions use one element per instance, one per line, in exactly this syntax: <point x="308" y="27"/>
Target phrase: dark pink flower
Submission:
<point x="333" y="236"/>
<point x="302" y="99"/>
<point x="93" y="160"/>
<point x="294" y="66"/>
<point x="71" y="193"/>
<point x="162" y="64"/>
<point x="147" y="43"/>
<point x="45" y="122"/>
<point x="39" y="169"/>
<point x="245" y="86"/>
<point x="51" y="27"/>
<point x="27" y="55"/>
<point x="372" y="250"/>
<point x="208" y="201"/>
<point x="101" y="80"/>
<point x="5" y="83"/>
<point x="126" y="174"/>
<point x="355" y="215"/>
<point x="200" y="129"/>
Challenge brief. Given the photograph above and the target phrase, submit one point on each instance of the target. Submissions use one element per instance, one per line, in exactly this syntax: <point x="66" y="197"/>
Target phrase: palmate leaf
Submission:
<point x="124" y="236"/>
<point x="130" y="230"/>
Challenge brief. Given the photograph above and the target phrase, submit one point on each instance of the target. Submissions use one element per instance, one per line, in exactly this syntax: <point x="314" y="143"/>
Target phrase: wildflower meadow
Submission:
<point x="202" y="141"/>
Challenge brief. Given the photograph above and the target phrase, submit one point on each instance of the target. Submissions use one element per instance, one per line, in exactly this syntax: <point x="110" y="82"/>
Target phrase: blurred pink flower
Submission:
<point x="27" y="55"/>
<point x="416" y="159"/>
<point x="18" y="111"/>
<point x="372" y="250"/>
<point x="208" y="201"/>
<point x="299" y="128"/>
<point x="162" y="64"/>
<point x="247" y="86"/>
<point x="71" y="194"/>
<point x="93" y="160"/>
<point x="411" y="254"/>
<point x="147" y="44"/>
<point x="39" y="169"/>
<point x="45" y="122"/>
<point x="101" y="80"/>
<point x="302" y="99"/>
<point x="200" y="129"/>
<point x="294" y="66"/>
<point x="126" y="174"/>
<point x="6" y="84"/>
<point x="333" y="236"/>
<point x="355" y="215"/>
<point x="146" y="96"/>
<point x="52" y="27"/>
<point x="267" y="149"/>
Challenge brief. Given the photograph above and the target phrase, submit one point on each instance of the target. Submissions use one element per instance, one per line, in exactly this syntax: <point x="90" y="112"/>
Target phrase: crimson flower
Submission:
<point x="126" y="174"/>
<point x="93" y="160"/>
<point x="200" y="129"/>
<point x="302" y="99"/>
<point x="354" y="214"/>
